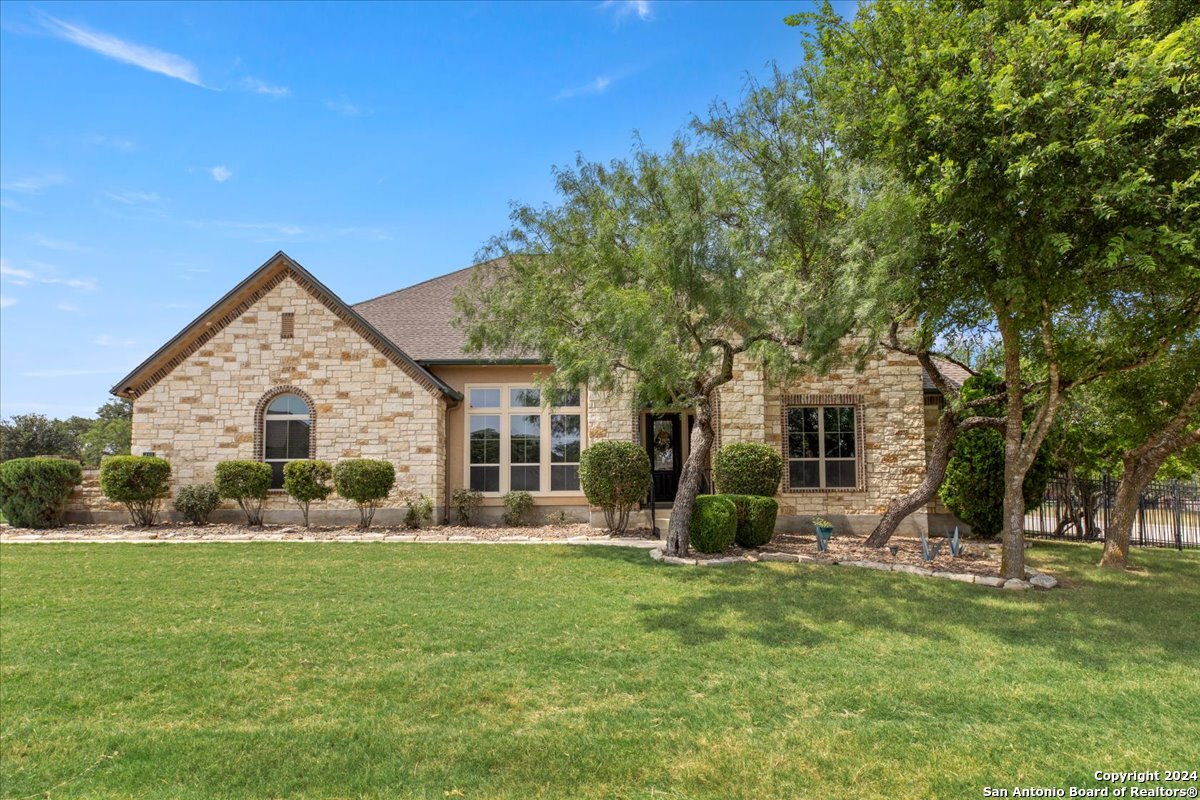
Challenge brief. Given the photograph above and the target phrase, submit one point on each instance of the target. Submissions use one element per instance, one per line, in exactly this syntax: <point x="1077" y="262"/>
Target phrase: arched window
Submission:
<point x="287" y="424"/>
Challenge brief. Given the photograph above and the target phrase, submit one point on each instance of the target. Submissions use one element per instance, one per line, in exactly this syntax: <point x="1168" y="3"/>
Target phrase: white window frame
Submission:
<point x="276" y="416"/>
<point x="506" y="411"/>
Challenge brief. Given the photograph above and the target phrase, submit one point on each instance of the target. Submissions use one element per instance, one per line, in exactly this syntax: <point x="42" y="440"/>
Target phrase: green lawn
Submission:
<point x="381" y="670"/>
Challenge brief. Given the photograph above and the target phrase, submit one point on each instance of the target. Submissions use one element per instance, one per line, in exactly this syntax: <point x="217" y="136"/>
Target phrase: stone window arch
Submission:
<point x="284" y="429"/>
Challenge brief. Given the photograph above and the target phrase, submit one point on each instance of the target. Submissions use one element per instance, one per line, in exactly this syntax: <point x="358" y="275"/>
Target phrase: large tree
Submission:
<point x="653" y="275"/>
<point x="1051" y="149"/>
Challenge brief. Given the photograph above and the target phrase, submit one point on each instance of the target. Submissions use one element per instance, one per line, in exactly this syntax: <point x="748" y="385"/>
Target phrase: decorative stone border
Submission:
<point x="1033" y="579"/>
<point x="141" y="537"/>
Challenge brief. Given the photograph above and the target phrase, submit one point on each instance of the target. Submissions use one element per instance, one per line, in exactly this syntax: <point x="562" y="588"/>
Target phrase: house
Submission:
<point x="280" y="368"/>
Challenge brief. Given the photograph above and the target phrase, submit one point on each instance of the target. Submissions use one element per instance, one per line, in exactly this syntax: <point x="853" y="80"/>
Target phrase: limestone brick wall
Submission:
<point x="742" y="405"/>
<point x="88" y="504"/>
<point x="611" y="416"/>
<point x="203" y="411"/>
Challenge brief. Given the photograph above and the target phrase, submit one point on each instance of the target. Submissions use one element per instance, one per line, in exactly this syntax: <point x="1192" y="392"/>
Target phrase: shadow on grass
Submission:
<point x="790" y="606"/>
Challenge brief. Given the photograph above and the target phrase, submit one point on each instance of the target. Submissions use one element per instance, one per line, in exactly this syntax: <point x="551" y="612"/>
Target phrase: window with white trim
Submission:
<point x="515" y="443"/>
<point x="286" y="425"/>
<point x="822" y="447"/>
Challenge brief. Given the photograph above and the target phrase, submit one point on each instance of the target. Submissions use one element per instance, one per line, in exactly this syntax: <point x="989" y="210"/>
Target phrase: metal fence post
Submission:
<point x="1178" y="504"/>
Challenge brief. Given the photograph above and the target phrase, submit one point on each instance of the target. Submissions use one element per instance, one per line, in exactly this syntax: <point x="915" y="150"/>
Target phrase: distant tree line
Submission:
<point x="84" y="438"/>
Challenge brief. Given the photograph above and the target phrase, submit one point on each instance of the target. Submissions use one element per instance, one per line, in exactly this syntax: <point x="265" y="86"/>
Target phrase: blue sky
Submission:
<point x="151" y="155"/>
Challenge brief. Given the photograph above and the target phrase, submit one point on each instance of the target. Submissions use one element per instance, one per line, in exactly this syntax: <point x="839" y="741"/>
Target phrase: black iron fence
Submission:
<point x="1082" y="509"/>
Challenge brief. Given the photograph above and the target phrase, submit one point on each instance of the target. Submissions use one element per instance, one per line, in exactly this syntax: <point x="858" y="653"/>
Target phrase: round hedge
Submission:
<point x="755" y="519"/>
<point x="747" y="468"/>
<point x="34" y="491"/>
<point x="366" y="481"/>
<point x="246" y="482"/>
<point x="714" y="523"/>
<point x="137" y="482"/>
<point x="615" y="476"/>
<point x="197" y="502"/>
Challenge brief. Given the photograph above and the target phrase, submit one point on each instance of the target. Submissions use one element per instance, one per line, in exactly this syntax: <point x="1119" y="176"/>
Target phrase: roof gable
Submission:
<point x="240" y="299"/>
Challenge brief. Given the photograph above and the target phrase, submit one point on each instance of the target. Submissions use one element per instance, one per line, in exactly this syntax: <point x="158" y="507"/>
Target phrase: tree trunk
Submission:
<point x="1012" y="553"/>
<point x="690" y="480"/>
<point x="939" y="458"/>
<point x="1117" y="536"/>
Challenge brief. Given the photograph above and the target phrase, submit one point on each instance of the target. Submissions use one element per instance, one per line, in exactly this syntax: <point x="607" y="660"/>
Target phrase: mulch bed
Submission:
<point x="182" y="530"/>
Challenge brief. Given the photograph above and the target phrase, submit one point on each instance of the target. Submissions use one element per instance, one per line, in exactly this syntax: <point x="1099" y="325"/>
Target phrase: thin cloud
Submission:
<point x="25" y="277"/>
<point x="68" y="307"/>
<point x="262" y="87"/>
<point x="221" y="173"/>
<point x="276" y="228"/>
<point x="58" y="244"/>
<point x="147" y="58"/>
<point x="116" y="142"/>
<point x="133" y="198"/>
<point x="344" y="107"/>
<point x="597" y="86"/>
<point x="623" y="9"/>
<point x="34" y="183"/>
<point x="7" y="302"/>
<point x="11" y="205"/>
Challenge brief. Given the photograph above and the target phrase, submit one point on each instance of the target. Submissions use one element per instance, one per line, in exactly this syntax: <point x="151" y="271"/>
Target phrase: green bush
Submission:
<point x="755" y="519"/>
<point x="616" y="477"/>
<point x="137" y="482"/>
<point x="465" y="501"/>
<point x="197" y="502"/>
<point x="306" y="481"/>
<point x="973" y="488"/>
<point x="34" y="491"/>
<point x="714" y="523"/>
<point x="366" y="481"/>
<point x="246" y="482"/>
<point x="747" y="468"/>
<point x="517" y="506"/>
<point x="419" y="513"/>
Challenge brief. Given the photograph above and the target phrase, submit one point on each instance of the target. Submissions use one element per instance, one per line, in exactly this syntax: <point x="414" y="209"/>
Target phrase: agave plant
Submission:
<point x="956" y="547"/>
<point x="929" y="551"/>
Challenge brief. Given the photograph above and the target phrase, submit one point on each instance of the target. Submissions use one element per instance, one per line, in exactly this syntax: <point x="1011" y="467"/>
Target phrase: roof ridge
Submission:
<point x="416" y="285"/>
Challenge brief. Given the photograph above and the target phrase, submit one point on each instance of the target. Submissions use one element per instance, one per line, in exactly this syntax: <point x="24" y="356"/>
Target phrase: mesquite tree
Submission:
<point x="1051" y="152"/>
<point x="653" y="275"/>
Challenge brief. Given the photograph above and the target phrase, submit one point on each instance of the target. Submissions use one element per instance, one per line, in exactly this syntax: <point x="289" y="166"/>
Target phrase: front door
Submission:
<point x="665" y="448"/>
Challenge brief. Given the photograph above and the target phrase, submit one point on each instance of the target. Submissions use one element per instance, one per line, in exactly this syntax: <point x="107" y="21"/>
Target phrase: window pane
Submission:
<point x="567" y="398"/>
<point x="297" y="438"/>
<point x="839" y="474"/>
<point x="485" y="439"/>
<point x="839" y="432"/>
<point x="485" y="398"/>
<point x="287" y="404"/>
<point x="803" y="475"/>
<point x="524" y="398"/>
<point x="802" y="433"/>
<point x="564" y="438"/>
<point x="277" y="474"/>
<point x="564" y="478"/>
<point x="525" y="439"/>
<point x="525" y="479"/>
<point x="275" y="440"/>
<point x="485" y="479"/>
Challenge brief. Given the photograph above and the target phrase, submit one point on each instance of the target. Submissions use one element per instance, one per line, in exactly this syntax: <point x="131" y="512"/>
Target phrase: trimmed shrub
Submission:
<point x="747" y="468"/>
<point x="517" y="506"/>
<point x="465" y="501"/>
<point x="419" y="513"/>
<point x="366" y="481"/>
<point x="247" y="483"/>
<point x="137" y="482"/>
<point x="34" y="491"/>
<point x="197" y="502"/>
<point x="616" y="477"/>
<point x="755" y="519"/>
<point x="306" y="481"/>
<point x="973" y="488"/>
<point x="714" y="523"/>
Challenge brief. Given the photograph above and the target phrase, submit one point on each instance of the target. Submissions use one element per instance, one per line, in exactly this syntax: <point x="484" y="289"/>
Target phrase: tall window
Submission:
<point x="515" y="443"/>
<point x="286" y="426"/>
<point x="822" y="447"/>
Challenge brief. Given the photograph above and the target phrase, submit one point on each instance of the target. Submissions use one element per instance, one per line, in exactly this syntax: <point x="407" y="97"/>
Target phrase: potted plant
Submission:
<point x="824" y="532"/>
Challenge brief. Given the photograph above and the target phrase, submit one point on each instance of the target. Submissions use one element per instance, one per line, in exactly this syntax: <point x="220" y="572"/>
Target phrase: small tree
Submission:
<point x="616" y="477"/>
<point x="419" y="513"/>
<point x="247" y="483"/>
<point x="465" y="501"/>
<point x="306" y="481"/>
<point x="197" y="502"/>
<point x="365" y="481"/>
<point x="34" y="491"/>
<point x="33" y="435"/>
<point x="517" y="506"/>
<point x="137" y="482"/>
<point x="749" y="468"/>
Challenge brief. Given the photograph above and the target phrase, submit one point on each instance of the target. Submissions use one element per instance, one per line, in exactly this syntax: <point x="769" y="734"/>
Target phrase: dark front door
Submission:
<point x="666" y="454"/>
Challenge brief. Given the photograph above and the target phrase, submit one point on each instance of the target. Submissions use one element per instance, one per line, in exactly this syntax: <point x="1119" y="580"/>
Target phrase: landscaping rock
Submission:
<point x="657" y="554"/>
<point x="713" y="562"/>
<point x="790" y="558"/>
<point x="691" y="562"/>
<point x="911" y="570"/>
<point x="955" y="576"/>
<point x="1043" y="581"/>
<point x="1017" y="583"/>
<point x="987" y="580"/>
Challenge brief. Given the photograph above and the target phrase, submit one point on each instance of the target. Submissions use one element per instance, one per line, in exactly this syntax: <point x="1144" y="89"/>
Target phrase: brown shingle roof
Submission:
<point x="418" y="321"/>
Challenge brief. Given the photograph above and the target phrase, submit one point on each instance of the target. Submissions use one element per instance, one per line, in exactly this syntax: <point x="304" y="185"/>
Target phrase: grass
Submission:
<point x="435" y="671"/>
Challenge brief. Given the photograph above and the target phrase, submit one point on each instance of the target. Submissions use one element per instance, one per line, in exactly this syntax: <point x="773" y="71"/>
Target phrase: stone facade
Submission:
<point x="206" y="409"/>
